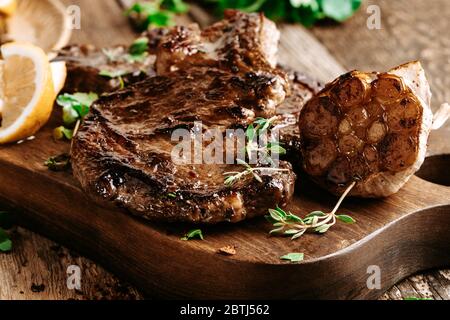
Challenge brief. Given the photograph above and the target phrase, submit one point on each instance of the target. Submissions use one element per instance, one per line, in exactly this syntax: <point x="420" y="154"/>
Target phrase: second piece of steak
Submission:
<point x="239" y="43"/>
<point x="302" y="89"/>
<point x="122" y="152"/>
<point x="85" y="64"/>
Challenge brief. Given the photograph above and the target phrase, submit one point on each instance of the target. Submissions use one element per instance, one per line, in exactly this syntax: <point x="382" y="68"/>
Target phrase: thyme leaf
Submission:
<point x="254" y="130"/>
<point x="58" y="163"/>
<point x="196" y="233"/>
<point x="293" y="257"/>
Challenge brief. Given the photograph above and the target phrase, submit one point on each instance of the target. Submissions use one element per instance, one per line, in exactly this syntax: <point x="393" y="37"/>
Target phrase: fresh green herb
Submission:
<point x="234" y="176"/>
<point x="5" y="241"/>
<point x="171" y="195"/>
<point x="138" y="50"/>
<point x="62" y="132"/>
<point x="415" y="298"/>
<point x="5" y="222"/>
<point x="307" y="12"/>
<point x="177" y="6"/>
<point x="58" y="163"/>
<point x="339" y="10"/>
<point x="115" y="74"/>
<point x="254" y="130"/>
<point x="157" y="13"/>
<point x="197" y="233"/>
<point x="289" y="224"/>
<point x="139" y="46"/>
<point x="293" y="257"/>
<point x="75" y="107"/>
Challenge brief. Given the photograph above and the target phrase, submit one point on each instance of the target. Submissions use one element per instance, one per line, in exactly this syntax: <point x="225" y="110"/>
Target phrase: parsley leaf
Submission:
<point x="139" y="46"/>
<point x="75" y="106"/>
<point x="157" y="13"/>
<point x="340" y="10"/>
<point x="177" y="6"/>
<point x="306" y="12"/>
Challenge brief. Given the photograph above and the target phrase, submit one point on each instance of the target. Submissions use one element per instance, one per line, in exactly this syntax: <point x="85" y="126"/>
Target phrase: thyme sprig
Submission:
<point x="58" y="163"/>
<point x="192" y="234"/>
<point x="254" y="130"/>
<point x="233" y="176"/>
<point x="289" y="224"/>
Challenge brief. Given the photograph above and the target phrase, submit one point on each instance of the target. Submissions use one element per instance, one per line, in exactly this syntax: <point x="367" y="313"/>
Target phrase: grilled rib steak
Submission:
<point x="122" y="152"/>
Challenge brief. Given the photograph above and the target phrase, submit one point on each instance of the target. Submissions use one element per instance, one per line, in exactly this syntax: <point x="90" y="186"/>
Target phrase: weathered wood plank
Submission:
<point x="106" y="18"/>
<point x="37" y="269"/>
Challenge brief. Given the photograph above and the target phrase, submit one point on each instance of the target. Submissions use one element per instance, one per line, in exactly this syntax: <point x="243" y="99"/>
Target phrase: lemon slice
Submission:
<point x="27" y="91"/>
<point x="59" y="74"/>
<point x="8" y="7"/>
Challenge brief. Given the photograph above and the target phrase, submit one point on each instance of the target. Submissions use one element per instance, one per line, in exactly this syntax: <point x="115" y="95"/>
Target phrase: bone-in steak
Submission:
<point x="122" y="152"/>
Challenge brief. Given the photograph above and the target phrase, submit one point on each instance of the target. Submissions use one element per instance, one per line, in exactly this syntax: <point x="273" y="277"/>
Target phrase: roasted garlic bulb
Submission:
<point x="371" y="128"/>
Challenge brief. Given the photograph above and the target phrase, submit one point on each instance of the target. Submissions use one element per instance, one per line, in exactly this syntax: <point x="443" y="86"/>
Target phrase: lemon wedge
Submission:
<point x="59" y="74"/>
<point x="27" y="90"/>
<point x="8" y="7"/>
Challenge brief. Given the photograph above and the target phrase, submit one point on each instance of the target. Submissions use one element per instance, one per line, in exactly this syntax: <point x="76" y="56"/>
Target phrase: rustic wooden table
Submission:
<point x="411" y="29"/>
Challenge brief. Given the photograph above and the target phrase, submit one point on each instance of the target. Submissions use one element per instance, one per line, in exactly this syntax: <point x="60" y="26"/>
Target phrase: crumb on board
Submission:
<point x="227" y="250"/>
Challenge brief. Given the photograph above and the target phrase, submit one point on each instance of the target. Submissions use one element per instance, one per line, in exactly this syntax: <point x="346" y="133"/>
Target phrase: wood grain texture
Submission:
<point x="37" y="269"/>
<point x="434" y="283"/>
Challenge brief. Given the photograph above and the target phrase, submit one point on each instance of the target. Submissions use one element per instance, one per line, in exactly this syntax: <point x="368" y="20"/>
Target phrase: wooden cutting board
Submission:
<point x="402" y="234"/>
